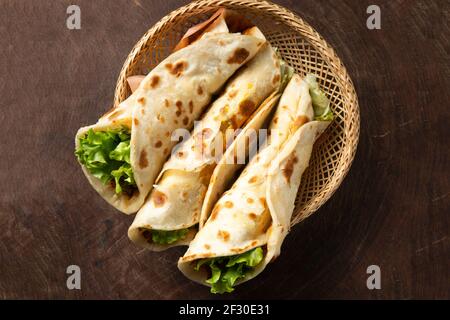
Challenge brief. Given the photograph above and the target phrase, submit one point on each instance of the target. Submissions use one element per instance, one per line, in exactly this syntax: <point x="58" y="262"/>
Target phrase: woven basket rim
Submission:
<point x="307" y="32"/>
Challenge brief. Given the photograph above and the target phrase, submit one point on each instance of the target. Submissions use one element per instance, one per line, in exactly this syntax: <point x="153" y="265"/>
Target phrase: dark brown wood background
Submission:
<point x="392" y="209"/>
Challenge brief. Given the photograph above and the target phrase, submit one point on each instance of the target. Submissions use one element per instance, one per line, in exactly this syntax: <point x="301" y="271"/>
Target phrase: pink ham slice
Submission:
<point x="235" y="23"/>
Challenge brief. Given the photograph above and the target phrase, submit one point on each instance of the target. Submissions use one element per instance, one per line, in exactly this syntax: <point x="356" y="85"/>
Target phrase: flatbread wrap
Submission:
<point x="171" y="213"/>
<point x="247" y="225"/>
<point x="122" y="154"/>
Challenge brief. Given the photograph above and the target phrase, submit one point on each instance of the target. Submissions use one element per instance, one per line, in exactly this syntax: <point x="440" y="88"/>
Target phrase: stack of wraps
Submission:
<point x="123" y="153"/>
<point x="184" y="193"/>
<point x="247" y="225"/>
<point x="172" y="211"/>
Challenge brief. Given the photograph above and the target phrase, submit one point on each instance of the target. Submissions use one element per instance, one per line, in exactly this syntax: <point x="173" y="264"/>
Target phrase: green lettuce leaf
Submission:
<point x="106" y="155"/>
<point x="286" y="71"/>
<point x="215" y="273"/>
<point x="225" y="271"/>
<point x="121" y="152"/>
<point x="168" y="236"/>
<point x="286" y="74"/>
<point x="201" y="262"/>
<point x="123" y="175"/>
<point x="250" y="258"/>
<point x="320" y="102"/>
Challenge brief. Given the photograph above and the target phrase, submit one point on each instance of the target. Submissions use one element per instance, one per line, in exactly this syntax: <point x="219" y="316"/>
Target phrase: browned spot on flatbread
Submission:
<point x="136" y="121"/>
<point x="276" y="79"/>
<point x="240" y="250"/>
<point x="252" y="179"/>
<point x="224" y="235"/>
<point x="166" y="103"/>
<point x="158" y="144"/>
<point x="166" y="150"/>
<point x="142" y="111"/>
<point x="161" y="118"/>
<point x="239" y="56"/>
<point x="252" y="216"/>
<point x="179" y="106"/>
<point x="299" y="121"/>
<point x="191" y="106"/>
<point x="167" y="134"/>
<point x="141" y="100"/>
<point x="200" y="90"/>
<point x="235" y="123"/>
<point x="246" y="107"/>
<point x="275" y="120"/>
<point x="232" y="93"/>
<point x="250" y="200"/>
<point x="177" y="68"/>
<point x="263" y="201"/>
<point x="143" y="162"/>
<point x="207" y="246"/>
<point x="175" y="121"/>
<point x="185" y="121"/>
<point x="289" y="168"/>
<point x="224" y="109"/>
<point x="158" y="198"/>
<point x="192" y="256"/>
<point x="254" y="243"/>
<point x="154" y="81"/>
<point x="228" y="204"/>
<point x="181" y="154"/>
<point x="215" y="212"/>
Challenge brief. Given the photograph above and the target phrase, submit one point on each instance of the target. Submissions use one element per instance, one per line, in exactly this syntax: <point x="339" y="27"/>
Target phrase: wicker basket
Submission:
<point x="300" y="46"/>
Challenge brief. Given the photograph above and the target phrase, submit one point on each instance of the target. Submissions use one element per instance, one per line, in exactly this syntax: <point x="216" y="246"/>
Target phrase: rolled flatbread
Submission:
<point x="247" y="225"/>
<point x="172" y="211"/>
<point x="122" y="154"/>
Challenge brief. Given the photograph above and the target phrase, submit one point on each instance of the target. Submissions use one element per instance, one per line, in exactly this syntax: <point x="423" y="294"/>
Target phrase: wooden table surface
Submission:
<point x="392" y="210"/>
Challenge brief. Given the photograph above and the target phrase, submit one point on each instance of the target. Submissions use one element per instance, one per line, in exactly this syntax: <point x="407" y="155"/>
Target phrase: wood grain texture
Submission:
<point x="392" y="209"/>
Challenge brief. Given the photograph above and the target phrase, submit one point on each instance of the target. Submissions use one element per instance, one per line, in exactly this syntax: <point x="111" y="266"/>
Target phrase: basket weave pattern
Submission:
<point x="302" y="48"/>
